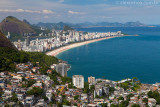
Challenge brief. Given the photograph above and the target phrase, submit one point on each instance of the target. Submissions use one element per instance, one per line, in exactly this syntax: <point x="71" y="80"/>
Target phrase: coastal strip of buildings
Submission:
<point x="59" y="39"/>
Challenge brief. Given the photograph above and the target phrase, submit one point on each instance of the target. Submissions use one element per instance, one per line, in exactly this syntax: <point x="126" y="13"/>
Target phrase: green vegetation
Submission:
<point x="111" y="90"/>
<point x="129" y="96"/>
<point x="66" y="28"/>
<point x="104" y="104"/>
<point x="45" y="98"/>
<point x="66" y="80"/>
<point x="124" y="33"/>
<point x="29" y="83"/>
<point x="125" y="85"/>
<point x="155" y="95"/>
<point x="1" y="92"/>
<point x="92" y="88"/>
<point x="35" y="91"/>
<point x="135" y="105"/>
<point x="99" y="81"/>
<point x="9" y="57"/>
<point x="71" y="85"/>
<point x="134" y="84"/>
<point x="86" y="87"/>
<point x="53" y="77"/>
<point x="120" y="98"/>
<point x="122" y="104"/>
<point x="145" y="100"/>
<point x="76" y="97"/>
<point x="65" y="102"/>
<point x="15" y="26"/>
<point x="14" y="97"/>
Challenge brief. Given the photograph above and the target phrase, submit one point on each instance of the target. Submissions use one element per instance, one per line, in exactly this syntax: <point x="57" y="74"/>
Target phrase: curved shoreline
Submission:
<point x="64" y="48"/>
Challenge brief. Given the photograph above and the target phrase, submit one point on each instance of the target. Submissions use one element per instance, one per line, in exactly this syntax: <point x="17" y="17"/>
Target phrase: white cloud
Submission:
<point x="27" y="11"/>
<point x="20" y="10"/>
<point x="6" y="10"/>
<point x="61" y="1"/>
<point x="46" y="17"/>
<point x="31" y="11"/>
<point x="47" y="12"/>
<point x="72" y="12"/>
<point x="105" y="17"/>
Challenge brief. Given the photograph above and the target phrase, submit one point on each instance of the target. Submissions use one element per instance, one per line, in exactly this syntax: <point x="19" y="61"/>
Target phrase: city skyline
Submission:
<point x="54" y="11"/>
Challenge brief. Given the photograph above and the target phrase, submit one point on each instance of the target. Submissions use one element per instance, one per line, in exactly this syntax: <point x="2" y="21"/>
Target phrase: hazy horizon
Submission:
<point x="77" y="11"/>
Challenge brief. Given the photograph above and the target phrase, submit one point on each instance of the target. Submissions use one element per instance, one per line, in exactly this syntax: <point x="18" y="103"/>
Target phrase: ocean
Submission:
<point x="118" y="58"/>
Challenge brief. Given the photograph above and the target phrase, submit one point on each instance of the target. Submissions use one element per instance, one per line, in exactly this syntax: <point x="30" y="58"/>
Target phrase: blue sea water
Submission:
<point x="118" y="58"/>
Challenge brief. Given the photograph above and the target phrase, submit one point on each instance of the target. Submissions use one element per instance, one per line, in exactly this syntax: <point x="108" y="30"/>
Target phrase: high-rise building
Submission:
<point x="91" y="80"/>
<point x="19" y="45"/>
<point x="28" y="41"/>
<point x="8" y="36"/>
<point x="62" y="68"/>
<point x="78" y="81"/>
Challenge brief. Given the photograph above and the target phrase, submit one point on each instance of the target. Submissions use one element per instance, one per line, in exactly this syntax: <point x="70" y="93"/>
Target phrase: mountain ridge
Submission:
<point x="60" y="25"/>
<point x="16" y="26"/>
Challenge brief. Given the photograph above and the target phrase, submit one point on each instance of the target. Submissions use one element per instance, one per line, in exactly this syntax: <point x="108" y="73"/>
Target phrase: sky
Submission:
<point x="78" y="11"/>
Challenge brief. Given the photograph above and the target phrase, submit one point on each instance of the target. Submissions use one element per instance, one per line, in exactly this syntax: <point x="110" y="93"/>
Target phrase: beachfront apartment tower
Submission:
<point x="78" y="81"/>
<point x="62" y="69"/>
<point x="91" y="80"/>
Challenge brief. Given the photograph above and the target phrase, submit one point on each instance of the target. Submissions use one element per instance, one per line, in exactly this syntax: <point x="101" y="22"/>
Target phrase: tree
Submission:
<point x="155" y="95"/>
<point x="92" y="88"/>
<point x="120" y="98"/>
<point x="14" y="97"/>
<point x="1" y="92"/>
<point x="150" y="94"/>
<point x="111" y="90"/>
<point x="71" y="85"/>
<point x="30" y="83"/>
<point x="9" y="57"/>
<point x="35" y="91"/>
<point x="135" y="105"/>
<point x="112" y="105"/>
<point x="124" y="85"/>
<point x="86" y="87"/>
<point x="104" y="104"/>
<point x="129" y="96"/>
<point x="76" y="97"/>
<point x="145" y="100"/>
<point x="135" y="80"/>
<point x="45" y="98"/>
<point x="124" y="104"/>
<point x="66" y="102"/>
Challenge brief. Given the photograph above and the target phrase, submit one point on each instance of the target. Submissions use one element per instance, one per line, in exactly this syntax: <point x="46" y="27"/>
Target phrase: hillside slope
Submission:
<point x="15" y="26"/>
<point x="4" y="42"/>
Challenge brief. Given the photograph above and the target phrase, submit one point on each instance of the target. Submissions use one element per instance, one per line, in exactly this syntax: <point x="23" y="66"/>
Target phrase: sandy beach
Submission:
<point x="64" y="48"/>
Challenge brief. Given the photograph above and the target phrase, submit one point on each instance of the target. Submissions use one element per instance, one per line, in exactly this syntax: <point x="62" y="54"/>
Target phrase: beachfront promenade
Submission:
<point x="64" y="48"/>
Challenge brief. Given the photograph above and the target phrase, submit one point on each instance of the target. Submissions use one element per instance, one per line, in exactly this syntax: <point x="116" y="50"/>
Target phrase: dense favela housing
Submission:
<point x="59" y="39"/>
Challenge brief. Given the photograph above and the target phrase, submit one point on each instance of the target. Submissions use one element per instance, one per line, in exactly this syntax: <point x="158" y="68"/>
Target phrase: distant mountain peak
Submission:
<point x="25" y="21"/>
<point x="16" y="26"/>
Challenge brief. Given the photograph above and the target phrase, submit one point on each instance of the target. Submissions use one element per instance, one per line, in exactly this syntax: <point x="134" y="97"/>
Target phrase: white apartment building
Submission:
<point x="91" y="80"/>
<point x="78" y="81"/>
